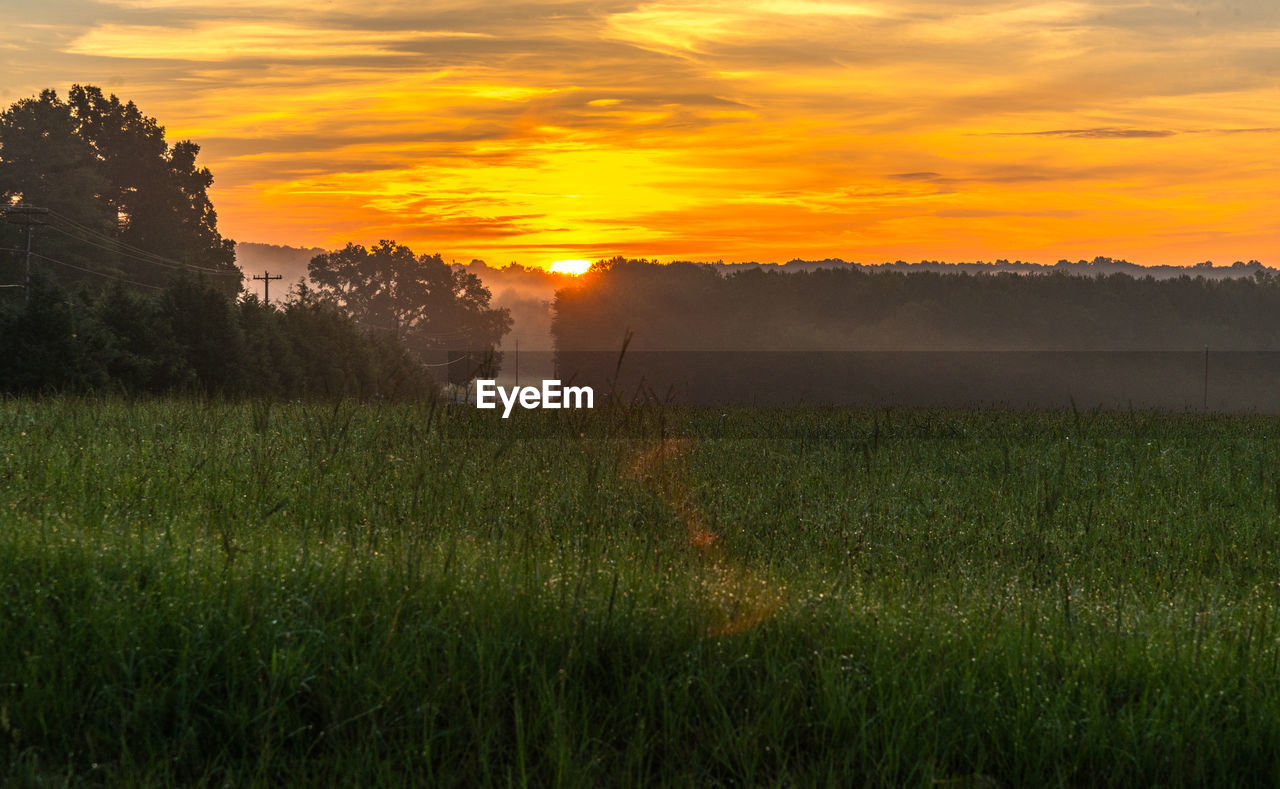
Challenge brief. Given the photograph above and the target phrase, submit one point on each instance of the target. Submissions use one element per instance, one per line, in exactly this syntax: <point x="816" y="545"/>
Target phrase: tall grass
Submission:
<point x="205" y="593"/>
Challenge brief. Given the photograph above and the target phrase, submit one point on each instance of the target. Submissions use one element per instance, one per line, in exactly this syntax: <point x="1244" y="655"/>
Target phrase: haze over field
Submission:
<point x="529" y="292"/>
<point x="747" y="130"/>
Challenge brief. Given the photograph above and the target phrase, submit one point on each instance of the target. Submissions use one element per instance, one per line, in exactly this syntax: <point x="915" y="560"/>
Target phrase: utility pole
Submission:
<point x="266" y="284"/>
<point x="28" y="215"/>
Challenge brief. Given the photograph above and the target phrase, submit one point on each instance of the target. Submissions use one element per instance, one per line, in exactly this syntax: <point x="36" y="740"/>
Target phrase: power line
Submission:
<point x="125" y="245"/>
<point x="29" y="214"/>
<point x="446" y="364"/>
<point x="451" y="333"/>
<point x="95" y="273"/>
<point x="108" y="237"/>
<point x="78" y="268"/>
<point x="115" y="251"/>
<point x="157" y="262"/>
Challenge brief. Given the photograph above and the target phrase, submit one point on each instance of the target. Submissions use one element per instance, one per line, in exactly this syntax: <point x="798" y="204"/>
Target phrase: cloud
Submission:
<point x="1262" y="130"/>
<point x="464" y="226"/>
<point x="736" y="129"/>
<point x="975" y="213"/>
<point x="1102" y="133"/>
<point x="221" y="42"/>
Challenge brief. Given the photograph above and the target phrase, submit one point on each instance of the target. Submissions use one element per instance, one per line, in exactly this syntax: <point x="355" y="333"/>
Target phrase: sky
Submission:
<point x="705" y="130"/>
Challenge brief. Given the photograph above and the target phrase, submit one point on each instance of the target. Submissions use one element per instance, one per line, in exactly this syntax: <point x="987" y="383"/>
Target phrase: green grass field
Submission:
<point x="221" y="594"/>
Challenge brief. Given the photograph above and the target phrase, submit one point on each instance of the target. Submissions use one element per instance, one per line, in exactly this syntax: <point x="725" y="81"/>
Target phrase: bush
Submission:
<point x="191" y="338"/>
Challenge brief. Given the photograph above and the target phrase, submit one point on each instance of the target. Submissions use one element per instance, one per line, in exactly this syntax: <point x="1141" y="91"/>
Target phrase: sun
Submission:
<point x="571" y="267"/>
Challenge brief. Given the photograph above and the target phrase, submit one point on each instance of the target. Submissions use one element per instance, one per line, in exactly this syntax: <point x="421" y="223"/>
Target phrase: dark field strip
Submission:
<point x="213" y="594"/>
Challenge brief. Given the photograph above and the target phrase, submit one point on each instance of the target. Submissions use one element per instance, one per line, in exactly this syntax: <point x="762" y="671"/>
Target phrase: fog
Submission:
<point x="1102" y="332"/>
<point x="529" y="294"/>
<point x="883" y="336"/>
<point x="526" y="292"/>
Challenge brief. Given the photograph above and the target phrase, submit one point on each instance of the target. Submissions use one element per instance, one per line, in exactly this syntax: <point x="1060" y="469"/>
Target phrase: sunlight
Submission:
<point x="572" y="267"/>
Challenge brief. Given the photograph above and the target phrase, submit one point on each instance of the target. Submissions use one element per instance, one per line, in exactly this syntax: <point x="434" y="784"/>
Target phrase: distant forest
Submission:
<point x="886" y="338"/>
<point x="1097" y="266"/>
<point x="695" y="307"/>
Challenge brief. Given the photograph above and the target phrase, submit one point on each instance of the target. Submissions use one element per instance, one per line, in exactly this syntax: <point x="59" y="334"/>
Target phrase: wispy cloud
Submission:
<point x="222" y="42"/>
<point x="1100" y="133"/>
<point x="703" y="129"/>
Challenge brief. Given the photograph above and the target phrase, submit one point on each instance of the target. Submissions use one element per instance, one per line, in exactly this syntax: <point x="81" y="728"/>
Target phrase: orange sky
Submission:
<point x="746" y="130"/>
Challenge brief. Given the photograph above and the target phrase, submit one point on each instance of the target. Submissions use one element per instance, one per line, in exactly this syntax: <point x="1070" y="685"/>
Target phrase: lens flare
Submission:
<point x="734" y="597"/>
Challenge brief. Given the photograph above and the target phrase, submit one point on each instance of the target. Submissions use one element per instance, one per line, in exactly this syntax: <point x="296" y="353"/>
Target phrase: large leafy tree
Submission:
<point x="44" y="161"/>
<point x="105" y="166"/>
<point x="424" y="302"/>
<point x="158" y="192"/>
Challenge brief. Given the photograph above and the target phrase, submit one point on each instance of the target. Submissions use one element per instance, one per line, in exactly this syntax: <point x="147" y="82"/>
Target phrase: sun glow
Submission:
<point x="739" y="130"/>
<point x="572" y="267"/>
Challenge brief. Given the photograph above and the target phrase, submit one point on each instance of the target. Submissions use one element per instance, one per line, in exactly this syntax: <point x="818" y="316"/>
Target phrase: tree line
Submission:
<point x="130" y="287"/>
<point x="686" y="306"/>
<point x="190" y="338"/>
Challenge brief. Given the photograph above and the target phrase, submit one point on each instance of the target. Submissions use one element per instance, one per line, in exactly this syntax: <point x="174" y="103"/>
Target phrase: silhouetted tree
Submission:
<point x="138" y="347"/>
<point x="46" y="346"/>
<point x="157" y="191"/>
<point x="201" y="320"/>
<point x="45" y="161"/>
<point x="192" y="339"/>
<point x="419" y="300"/>
<point x="107" y="170"/>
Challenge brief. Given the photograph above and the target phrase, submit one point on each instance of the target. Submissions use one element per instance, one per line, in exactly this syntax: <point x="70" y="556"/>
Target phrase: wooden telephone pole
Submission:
<point x="28" y="215"/>
<point x="266" y="284"/>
